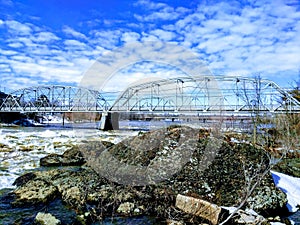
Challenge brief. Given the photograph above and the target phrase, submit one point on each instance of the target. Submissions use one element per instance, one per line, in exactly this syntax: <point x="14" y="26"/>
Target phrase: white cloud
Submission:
<point x="39" y="50"/>
<point x="21" y="58"/>
<point x="21" y="82"/>
<point x="48" y="71"/>
<point x="163" y="35"/>
<point x="138" y="73"/>
<point x="159" y="11"/>
<point x="218" y="24"/>
<point x="70" y="31"/>
<point x="26" y="41"/>
<point x="130" y="37"/>
<point x="15" y="44"/>
<point x="106" y="38"/>
<point x="190" y="21"/>
<point x="95" y="52"/>
<point x="149" y="5"/>
<point x="182" y="10"/>
<point x="3" y="66"/>
<point x="248" y="39"/>
<point x="18" y="28"/>
<point x="75" y="45"/>
<point x="147" y="37"/>
<point x="245" y="28"/>
<point x="45" y="37"/>
<point x="7" y="52"/>
<point x="261" y="36"/>
<point x="35" y="54"/>
<point x="167" y="13"/>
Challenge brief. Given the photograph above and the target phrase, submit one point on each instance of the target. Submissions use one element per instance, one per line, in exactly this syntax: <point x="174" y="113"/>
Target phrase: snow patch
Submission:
<point x="291" y="187"/>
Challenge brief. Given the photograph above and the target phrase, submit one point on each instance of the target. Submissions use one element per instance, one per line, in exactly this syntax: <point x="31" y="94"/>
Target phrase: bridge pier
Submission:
<point x="109" y="121"/>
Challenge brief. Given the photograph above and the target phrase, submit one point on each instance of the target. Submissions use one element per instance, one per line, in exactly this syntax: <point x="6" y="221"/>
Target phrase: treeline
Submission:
<point x="10" y="117"/>
<point x="7" y="117"/>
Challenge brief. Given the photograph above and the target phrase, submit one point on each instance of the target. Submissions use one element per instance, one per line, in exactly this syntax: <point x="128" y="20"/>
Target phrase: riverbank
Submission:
<point x="175" y="160"/>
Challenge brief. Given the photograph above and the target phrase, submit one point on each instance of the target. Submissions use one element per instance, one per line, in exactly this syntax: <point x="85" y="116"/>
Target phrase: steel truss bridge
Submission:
<point x="203" y="94"/>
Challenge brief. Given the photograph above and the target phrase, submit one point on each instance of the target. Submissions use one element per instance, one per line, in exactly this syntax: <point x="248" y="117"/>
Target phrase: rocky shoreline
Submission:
<point x="80" y="181"/>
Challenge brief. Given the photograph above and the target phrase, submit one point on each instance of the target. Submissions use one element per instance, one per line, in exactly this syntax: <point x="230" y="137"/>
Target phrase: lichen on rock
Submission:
<point x="34" y="191"/>
<point x="46" y="219"/>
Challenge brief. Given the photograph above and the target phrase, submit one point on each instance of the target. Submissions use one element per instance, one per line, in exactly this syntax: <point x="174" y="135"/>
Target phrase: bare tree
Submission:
<point x="252" y="97"/>
<point x="286" y="130"/>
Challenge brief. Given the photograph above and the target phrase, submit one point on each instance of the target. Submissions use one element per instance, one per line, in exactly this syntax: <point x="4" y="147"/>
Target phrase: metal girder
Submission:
<point x="207" y="93"/>
<point x="54" y="98"/>
<point x="182" y="94"/>
<point x="175" y="94"/>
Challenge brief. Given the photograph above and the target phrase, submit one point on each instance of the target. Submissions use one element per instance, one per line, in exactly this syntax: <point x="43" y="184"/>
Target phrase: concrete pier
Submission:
<point x="109" y="121"/>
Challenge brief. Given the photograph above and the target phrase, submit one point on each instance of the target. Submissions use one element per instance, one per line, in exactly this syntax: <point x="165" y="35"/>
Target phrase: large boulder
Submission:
<point x="74" y="156"/>
<point x="71" y="157"/>
<point x="147" y="158"/>
<point x="216" y="170"/>
<point x="178" y="160"/>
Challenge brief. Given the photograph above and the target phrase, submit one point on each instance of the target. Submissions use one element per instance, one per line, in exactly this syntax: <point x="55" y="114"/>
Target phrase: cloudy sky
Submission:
<point x="57" y="41"/>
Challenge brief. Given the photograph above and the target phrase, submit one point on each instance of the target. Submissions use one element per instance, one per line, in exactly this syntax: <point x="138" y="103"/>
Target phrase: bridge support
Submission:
<point x="109" y="121"/>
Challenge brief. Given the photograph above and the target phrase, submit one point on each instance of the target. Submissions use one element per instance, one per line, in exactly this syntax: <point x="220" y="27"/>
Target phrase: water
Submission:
<point x="295" y="218"/>
<point x="22" y="147"/>
<point x="26" y="215"/>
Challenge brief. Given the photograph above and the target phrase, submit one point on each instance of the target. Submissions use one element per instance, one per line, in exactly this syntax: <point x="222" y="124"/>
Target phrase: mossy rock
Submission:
<point x="289" y="166"/>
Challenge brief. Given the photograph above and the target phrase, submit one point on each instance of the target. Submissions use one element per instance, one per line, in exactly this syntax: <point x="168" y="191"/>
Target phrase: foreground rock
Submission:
<point x="216" y="214"/>
<point x="178" y="160"/>
<point x="198" y="207"/>
<point x="246" y="217"/>
<point x="35" y="191"/>
<point x="289" y="166"/>
<point x="72" y="157"/>
<point x="46" y="219"/>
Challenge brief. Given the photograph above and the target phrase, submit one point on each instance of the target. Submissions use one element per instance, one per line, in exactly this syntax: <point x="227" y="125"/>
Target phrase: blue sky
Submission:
<point x="57" y="41"/>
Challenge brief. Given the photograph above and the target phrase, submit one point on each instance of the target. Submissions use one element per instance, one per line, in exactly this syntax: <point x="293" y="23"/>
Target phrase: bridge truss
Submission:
<point x="205" y="94"/>
<point x="54" y="99"/>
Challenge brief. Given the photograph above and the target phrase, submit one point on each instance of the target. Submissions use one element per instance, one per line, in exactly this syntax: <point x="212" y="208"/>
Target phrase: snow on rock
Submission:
<point x="291" y="187"/>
